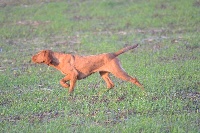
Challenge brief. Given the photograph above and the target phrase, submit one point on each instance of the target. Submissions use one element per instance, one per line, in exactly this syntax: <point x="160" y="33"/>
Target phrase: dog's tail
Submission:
<point x="121" y="51"/>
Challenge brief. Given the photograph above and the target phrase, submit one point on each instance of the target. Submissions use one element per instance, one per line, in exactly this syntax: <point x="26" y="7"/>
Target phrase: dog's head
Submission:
<point x="43" y="56"/>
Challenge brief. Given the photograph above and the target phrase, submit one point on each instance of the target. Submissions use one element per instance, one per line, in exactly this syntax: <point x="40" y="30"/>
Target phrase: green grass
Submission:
<point x="166" y="62"/>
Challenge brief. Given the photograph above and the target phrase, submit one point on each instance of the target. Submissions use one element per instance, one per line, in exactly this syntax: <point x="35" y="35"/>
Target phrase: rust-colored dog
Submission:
<point x="76" y="67"/>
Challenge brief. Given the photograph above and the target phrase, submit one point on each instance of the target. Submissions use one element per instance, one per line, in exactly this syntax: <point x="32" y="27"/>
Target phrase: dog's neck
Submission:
<point x="54" y="60"/>
<point x="61" y="61"/>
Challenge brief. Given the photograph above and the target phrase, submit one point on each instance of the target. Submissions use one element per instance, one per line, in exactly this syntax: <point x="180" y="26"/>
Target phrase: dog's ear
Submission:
<point x="48" y="57"/>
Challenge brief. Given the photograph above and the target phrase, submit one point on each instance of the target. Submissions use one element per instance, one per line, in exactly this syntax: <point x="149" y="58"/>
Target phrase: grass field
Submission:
<point x="167" y="62"/>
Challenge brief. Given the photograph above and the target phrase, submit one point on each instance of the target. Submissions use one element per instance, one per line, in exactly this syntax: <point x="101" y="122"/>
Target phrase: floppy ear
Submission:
<point x="48" y="57"/>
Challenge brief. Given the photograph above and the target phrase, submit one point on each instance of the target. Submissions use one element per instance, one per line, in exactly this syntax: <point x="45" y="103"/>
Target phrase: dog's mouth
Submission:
<point x="39" y="62"/>
<point x="36" y="61"/>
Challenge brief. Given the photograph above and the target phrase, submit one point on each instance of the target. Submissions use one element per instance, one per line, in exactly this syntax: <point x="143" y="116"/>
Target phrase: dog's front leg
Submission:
<point x="64" y="80"/>
<point x="72" y="84"/>
<point x="73" y="79"/>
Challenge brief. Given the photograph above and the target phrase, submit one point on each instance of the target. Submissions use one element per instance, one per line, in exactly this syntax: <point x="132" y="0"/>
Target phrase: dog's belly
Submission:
<point x="83" y="75"/>
<point x="87" y="71"/>
<point x="90" y="64"/>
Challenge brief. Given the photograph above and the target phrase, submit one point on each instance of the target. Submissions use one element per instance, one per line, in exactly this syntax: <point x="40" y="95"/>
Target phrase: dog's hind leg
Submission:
<point x="118" y="71"/>
<point x="105" y="76"/>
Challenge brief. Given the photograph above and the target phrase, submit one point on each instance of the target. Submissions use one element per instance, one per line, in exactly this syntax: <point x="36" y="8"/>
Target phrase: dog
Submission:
<point x="76" y="67"/>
